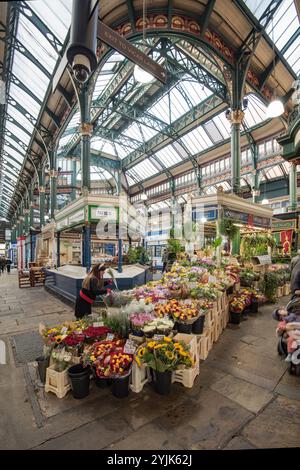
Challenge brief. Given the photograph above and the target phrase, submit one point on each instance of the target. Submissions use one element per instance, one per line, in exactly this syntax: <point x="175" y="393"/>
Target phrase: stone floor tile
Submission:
<point x="248" y="395"/>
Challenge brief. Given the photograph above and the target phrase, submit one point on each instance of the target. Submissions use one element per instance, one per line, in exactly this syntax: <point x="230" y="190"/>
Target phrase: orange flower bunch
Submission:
<point x="179" y="309"/>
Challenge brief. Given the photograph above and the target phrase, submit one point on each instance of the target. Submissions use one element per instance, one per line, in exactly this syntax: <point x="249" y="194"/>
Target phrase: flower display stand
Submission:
<point x="57" y="382"/>
<point x="204" y="344"/>
<point x="215" y="308"/>
<point x="191" y="341"/>
<point x="186" y="376"/>
<point x="286" y="289"/>
<point x="139" y="377"/>
<point x="224" y="300"/>
<point x="279" y="292"/>
<point x="217" y="328"/>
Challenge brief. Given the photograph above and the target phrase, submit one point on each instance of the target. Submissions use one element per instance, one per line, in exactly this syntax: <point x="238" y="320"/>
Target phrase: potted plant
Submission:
<point x="228" y="229"/>
<point x="163" y="357"/>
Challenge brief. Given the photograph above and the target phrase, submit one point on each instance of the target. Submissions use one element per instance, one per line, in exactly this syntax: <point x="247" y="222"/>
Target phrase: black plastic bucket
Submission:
<point x="101" y="382"/>
<point x="235" y="318"/>
<point x="162" y="382"/>
<point x="43" y="363"/>
<point x="184" y="327"/>
<point x="80" y="380"/>
<point x="254" y="306"/>
<point x="120" y="386"/>
<point x="198" y="325"/>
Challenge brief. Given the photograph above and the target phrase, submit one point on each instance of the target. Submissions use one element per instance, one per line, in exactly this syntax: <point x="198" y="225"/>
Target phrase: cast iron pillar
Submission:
<point x="74" y="179"/>
<point x="255" y="186"/>
<point x="293" y="187"/>
<point x="53" y="181"/>
<point x="86" y="247"/>
<point x="236" y="117"/>
<point x="86" y="130"/>
<point x="42" y="195"/>
<point x="31" y="204"/>
<point x="58" y="249"/>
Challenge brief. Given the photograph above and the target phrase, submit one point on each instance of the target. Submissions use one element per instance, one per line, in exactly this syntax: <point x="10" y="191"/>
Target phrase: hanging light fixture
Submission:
<point x="139" y="73"/>
<point x="144" y="197"/>
<point x="203" y="219"/>
<point x="275" y="107"/>
<point x="265" y="201"/>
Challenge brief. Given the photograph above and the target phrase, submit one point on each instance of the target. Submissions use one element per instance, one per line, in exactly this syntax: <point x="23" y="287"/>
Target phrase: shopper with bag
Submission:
<point x="92" y="286"/>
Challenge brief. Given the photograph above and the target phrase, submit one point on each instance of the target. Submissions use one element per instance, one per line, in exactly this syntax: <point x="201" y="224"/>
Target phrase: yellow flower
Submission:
<point x="170" y="355"/>
<point x="158" y="346"/>
<point x="141" y="352"/>
<point x="167" y="340"/>
<point x="177" y="346"/>
<point x="93" y="358"/>
<point x="58" y="339"/>
<point x="151" y="344"/>
<point x="183" y="353"/>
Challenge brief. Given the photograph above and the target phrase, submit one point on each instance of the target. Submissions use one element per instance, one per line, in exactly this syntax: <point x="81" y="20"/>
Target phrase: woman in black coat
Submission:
<point x="92" y="286"/>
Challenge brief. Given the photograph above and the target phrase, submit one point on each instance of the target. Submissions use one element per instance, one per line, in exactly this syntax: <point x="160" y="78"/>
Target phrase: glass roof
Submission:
<point x="284" y="28"/>
<point x="32" y="68"/>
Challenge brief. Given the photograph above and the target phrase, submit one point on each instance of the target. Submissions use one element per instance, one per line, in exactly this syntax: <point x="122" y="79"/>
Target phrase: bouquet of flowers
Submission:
<point x="116" y="298"/>
<point x="95" y="332"/>
<point x="109" y="360"/>
<point x="236" y="305"/>
<point x="139" y="320"/>
<point x="180" y="310"/>
<point x="158" y="325"/>
<point x="57" y="334"/>
<point x="164" y="355"/>
<point x="62" y="359"/>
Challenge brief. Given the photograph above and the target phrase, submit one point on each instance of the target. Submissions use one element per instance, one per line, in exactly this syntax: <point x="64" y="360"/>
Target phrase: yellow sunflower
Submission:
<point x="151" y="344"/>
<point x="137" y="361"/>
<point x="170" y="355"/>
<point x="141" y="352"/>
<point x="58" y="339"/>
<point x="158" y="346"/>
<point x="167" y="340"/>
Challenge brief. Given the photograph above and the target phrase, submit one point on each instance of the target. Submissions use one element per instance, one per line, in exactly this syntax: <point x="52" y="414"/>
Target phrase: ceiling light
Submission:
<point x="141" y="75"/>
<point x="265" y="201"/>
<point x="203" y="219"/>
<point x="275" y="109"/>
<point x="144" y="197"/>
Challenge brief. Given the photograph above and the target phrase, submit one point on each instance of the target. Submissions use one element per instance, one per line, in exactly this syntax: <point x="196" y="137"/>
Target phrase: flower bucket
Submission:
<point x="43" y="363"/>
<point x="254" y="306"/>
<point x="120" y="386"/>
<point x="235" y="318"/>
<point x="229" y="290"/>
<point x="162" y="382"/>
<point x="198" y="325"/>
<point x="80" y="380"/>
<point x="182" y="327"/>
<point x="101" y="382"/>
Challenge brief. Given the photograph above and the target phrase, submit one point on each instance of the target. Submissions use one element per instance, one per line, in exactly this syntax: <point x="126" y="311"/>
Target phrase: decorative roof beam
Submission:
<point x="131" y="15"/>
<point x="192" y="119"/>
<point x="205" y="17"/>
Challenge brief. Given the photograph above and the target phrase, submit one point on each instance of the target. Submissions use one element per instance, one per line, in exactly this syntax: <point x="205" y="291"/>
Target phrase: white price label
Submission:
<point x="129" y="347"/>
<point x="98" y="323"/>
<point x="158" y="337"/>
<point x="110" y="336"/>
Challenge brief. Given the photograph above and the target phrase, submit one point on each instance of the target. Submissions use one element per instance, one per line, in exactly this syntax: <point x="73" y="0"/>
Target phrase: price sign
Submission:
<point x="110" y="336"/>
<point x="158" y="337"/>
<point x="98" y="323"/>
<point x="129" y="347"/>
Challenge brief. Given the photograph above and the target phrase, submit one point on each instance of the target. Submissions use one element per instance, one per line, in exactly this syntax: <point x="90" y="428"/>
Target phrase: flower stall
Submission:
<point x="158" y="332"/>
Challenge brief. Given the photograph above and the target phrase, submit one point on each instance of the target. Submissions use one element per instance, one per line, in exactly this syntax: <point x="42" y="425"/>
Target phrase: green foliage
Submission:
<point x="119" y="324"/>
<point x="227" y="228"/>
<point x="270" y="285"/>
<point x="256" y="244"/>
<point x="217" y="242"/>
<point x="137" y="255"/>
<point x="174" y="246"/>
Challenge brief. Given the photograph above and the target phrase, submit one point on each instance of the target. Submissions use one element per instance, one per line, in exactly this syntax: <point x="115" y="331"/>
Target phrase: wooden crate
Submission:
<point x="57" y="382"/>
<point x="217" y="328"/>
<point x="24" y="279"/>
<point x="37" y="277"/>
<point x="204" y="344"/>
<point x="279" y="292"/>
<point x="286" y="289"/>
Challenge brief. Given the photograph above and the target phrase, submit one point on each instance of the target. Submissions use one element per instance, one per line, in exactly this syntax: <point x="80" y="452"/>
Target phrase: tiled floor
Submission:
<point x="244" y="397"/>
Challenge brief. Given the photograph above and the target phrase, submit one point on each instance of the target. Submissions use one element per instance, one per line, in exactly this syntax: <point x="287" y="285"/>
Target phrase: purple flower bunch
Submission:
<point x="138" y="320"/>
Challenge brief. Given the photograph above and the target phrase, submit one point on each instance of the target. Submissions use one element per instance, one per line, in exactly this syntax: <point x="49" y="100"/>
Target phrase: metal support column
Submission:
<point x="31" y="211"/>
<point x="236" y="117"/>
<point x="74" y="179"/>
<point x="42" y="195"/>
<point x="255" y="186"/>
<point x="86" y="246"/>
<point x="86" y="130"/>
<point x="53" y="181"/>
<point x="58" y="249"/>
<point x="293" y="187"/>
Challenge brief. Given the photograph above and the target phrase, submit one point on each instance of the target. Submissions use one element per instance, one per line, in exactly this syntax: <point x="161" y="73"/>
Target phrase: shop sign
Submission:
<point x="77" y="217"/>
<point x="103" y="213"/>
<point x="283" y="224"/>
<point x="62" y="223"/>
<point x="264" y="259"/>
<point x="238" y="216"/>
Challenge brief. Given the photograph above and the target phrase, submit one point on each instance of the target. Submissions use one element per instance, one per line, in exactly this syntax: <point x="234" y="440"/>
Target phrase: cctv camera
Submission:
<point x="81" y="68"/>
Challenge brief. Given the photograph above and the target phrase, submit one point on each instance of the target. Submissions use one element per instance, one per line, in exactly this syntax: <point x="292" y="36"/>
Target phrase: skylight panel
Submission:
<point x="48" y="12"/>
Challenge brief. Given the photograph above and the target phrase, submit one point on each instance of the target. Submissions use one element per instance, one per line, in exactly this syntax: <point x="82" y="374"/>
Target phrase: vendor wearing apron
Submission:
<point x="92" y="286"/>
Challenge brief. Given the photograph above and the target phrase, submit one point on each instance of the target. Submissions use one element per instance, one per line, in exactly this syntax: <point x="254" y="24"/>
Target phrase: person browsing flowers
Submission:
<point x="92" y="286"/>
